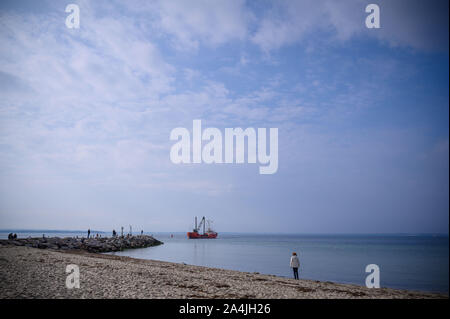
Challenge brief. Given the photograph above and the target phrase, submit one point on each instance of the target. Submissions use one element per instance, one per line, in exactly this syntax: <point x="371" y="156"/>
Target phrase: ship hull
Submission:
<point x="194" y="235"/>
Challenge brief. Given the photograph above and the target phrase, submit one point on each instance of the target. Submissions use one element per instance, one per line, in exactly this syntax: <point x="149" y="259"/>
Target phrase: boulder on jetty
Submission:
<point x="93" y="245"/>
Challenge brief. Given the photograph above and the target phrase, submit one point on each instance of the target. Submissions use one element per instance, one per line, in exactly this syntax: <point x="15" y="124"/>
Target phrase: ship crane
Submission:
<point x="202" y="222"/>
<point x="209" y="233"/>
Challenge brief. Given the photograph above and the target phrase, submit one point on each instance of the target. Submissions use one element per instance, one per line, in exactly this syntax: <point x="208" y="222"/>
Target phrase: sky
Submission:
<point x="362" y="114"/>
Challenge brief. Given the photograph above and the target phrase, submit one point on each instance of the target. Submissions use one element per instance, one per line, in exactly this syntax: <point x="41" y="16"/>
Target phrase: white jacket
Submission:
<point x="295" y="263"/>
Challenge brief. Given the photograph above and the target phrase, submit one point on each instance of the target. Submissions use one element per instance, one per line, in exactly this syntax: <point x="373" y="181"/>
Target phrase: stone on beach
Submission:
<point x="41" y="273"/>
<point x="94" y="245"/>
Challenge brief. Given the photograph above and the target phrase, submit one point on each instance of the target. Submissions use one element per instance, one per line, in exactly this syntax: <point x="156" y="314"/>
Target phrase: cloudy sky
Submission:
<point x="362" y="114"/>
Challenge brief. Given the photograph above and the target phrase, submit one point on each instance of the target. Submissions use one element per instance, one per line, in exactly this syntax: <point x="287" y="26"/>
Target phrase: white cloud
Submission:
<point x="291" y="21"/>
<point x="210" y="23"/>
<point x="406" y="23"/>
<point x="91" y="109"/>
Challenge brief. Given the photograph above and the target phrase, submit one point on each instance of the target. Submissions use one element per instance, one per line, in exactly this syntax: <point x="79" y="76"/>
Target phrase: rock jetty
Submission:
<point x="93" y="245"/>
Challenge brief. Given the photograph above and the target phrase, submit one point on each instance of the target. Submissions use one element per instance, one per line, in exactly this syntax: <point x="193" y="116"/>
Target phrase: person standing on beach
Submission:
<point x="295" y="263"/>
<point x="89" y="232"/>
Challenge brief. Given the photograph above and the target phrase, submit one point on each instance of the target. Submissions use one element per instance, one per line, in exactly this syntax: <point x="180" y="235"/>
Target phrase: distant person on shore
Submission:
<point x="114" y="233"/>
<point x="89" y="233"/>
<point x="295" y="263"/>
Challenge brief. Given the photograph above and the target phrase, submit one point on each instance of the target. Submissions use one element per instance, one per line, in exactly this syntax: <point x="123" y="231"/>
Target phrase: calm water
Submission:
<point x="406" y="262"/>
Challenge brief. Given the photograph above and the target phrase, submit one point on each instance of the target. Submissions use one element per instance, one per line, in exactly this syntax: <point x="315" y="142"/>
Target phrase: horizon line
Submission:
<point x="231" y="232"/>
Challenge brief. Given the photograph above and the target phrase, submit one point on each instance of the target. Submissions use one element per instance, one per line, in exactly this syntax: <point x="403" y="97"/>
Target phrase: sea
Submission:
<point x="413" y="262"/>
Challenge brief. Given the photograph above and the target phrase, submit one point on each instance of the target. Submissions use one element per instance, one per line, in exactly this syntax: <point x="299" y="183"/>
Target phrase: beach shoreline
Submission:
<point x="27" y="272"/>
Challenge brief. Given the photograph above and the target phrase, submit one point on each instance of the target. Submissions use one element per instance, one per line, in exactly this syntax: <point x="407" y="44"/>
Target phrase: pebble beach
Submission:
<point x="27" y="272"/>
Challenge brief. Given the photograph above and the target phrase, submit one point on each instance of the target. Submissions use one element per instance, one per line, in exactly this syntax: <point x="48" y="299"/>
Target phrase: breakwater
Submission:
<point x="94" y="245"/>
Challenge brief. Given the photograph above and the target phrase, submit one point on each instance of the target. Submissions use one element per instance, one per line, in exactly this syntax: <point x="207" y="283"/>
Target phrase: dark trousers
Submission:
<point x="295" y="272"/>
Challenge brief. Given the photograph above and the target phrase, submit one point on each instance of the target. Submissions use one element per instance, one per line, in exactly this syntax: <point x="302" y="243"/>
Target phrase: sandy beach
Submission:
<point x="35" y="273"/>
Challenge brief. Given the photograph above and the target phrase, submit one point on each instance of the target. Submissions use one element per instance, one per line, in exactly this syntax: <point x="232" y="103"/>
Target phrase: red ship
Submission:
<point x="208" y="233"/>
